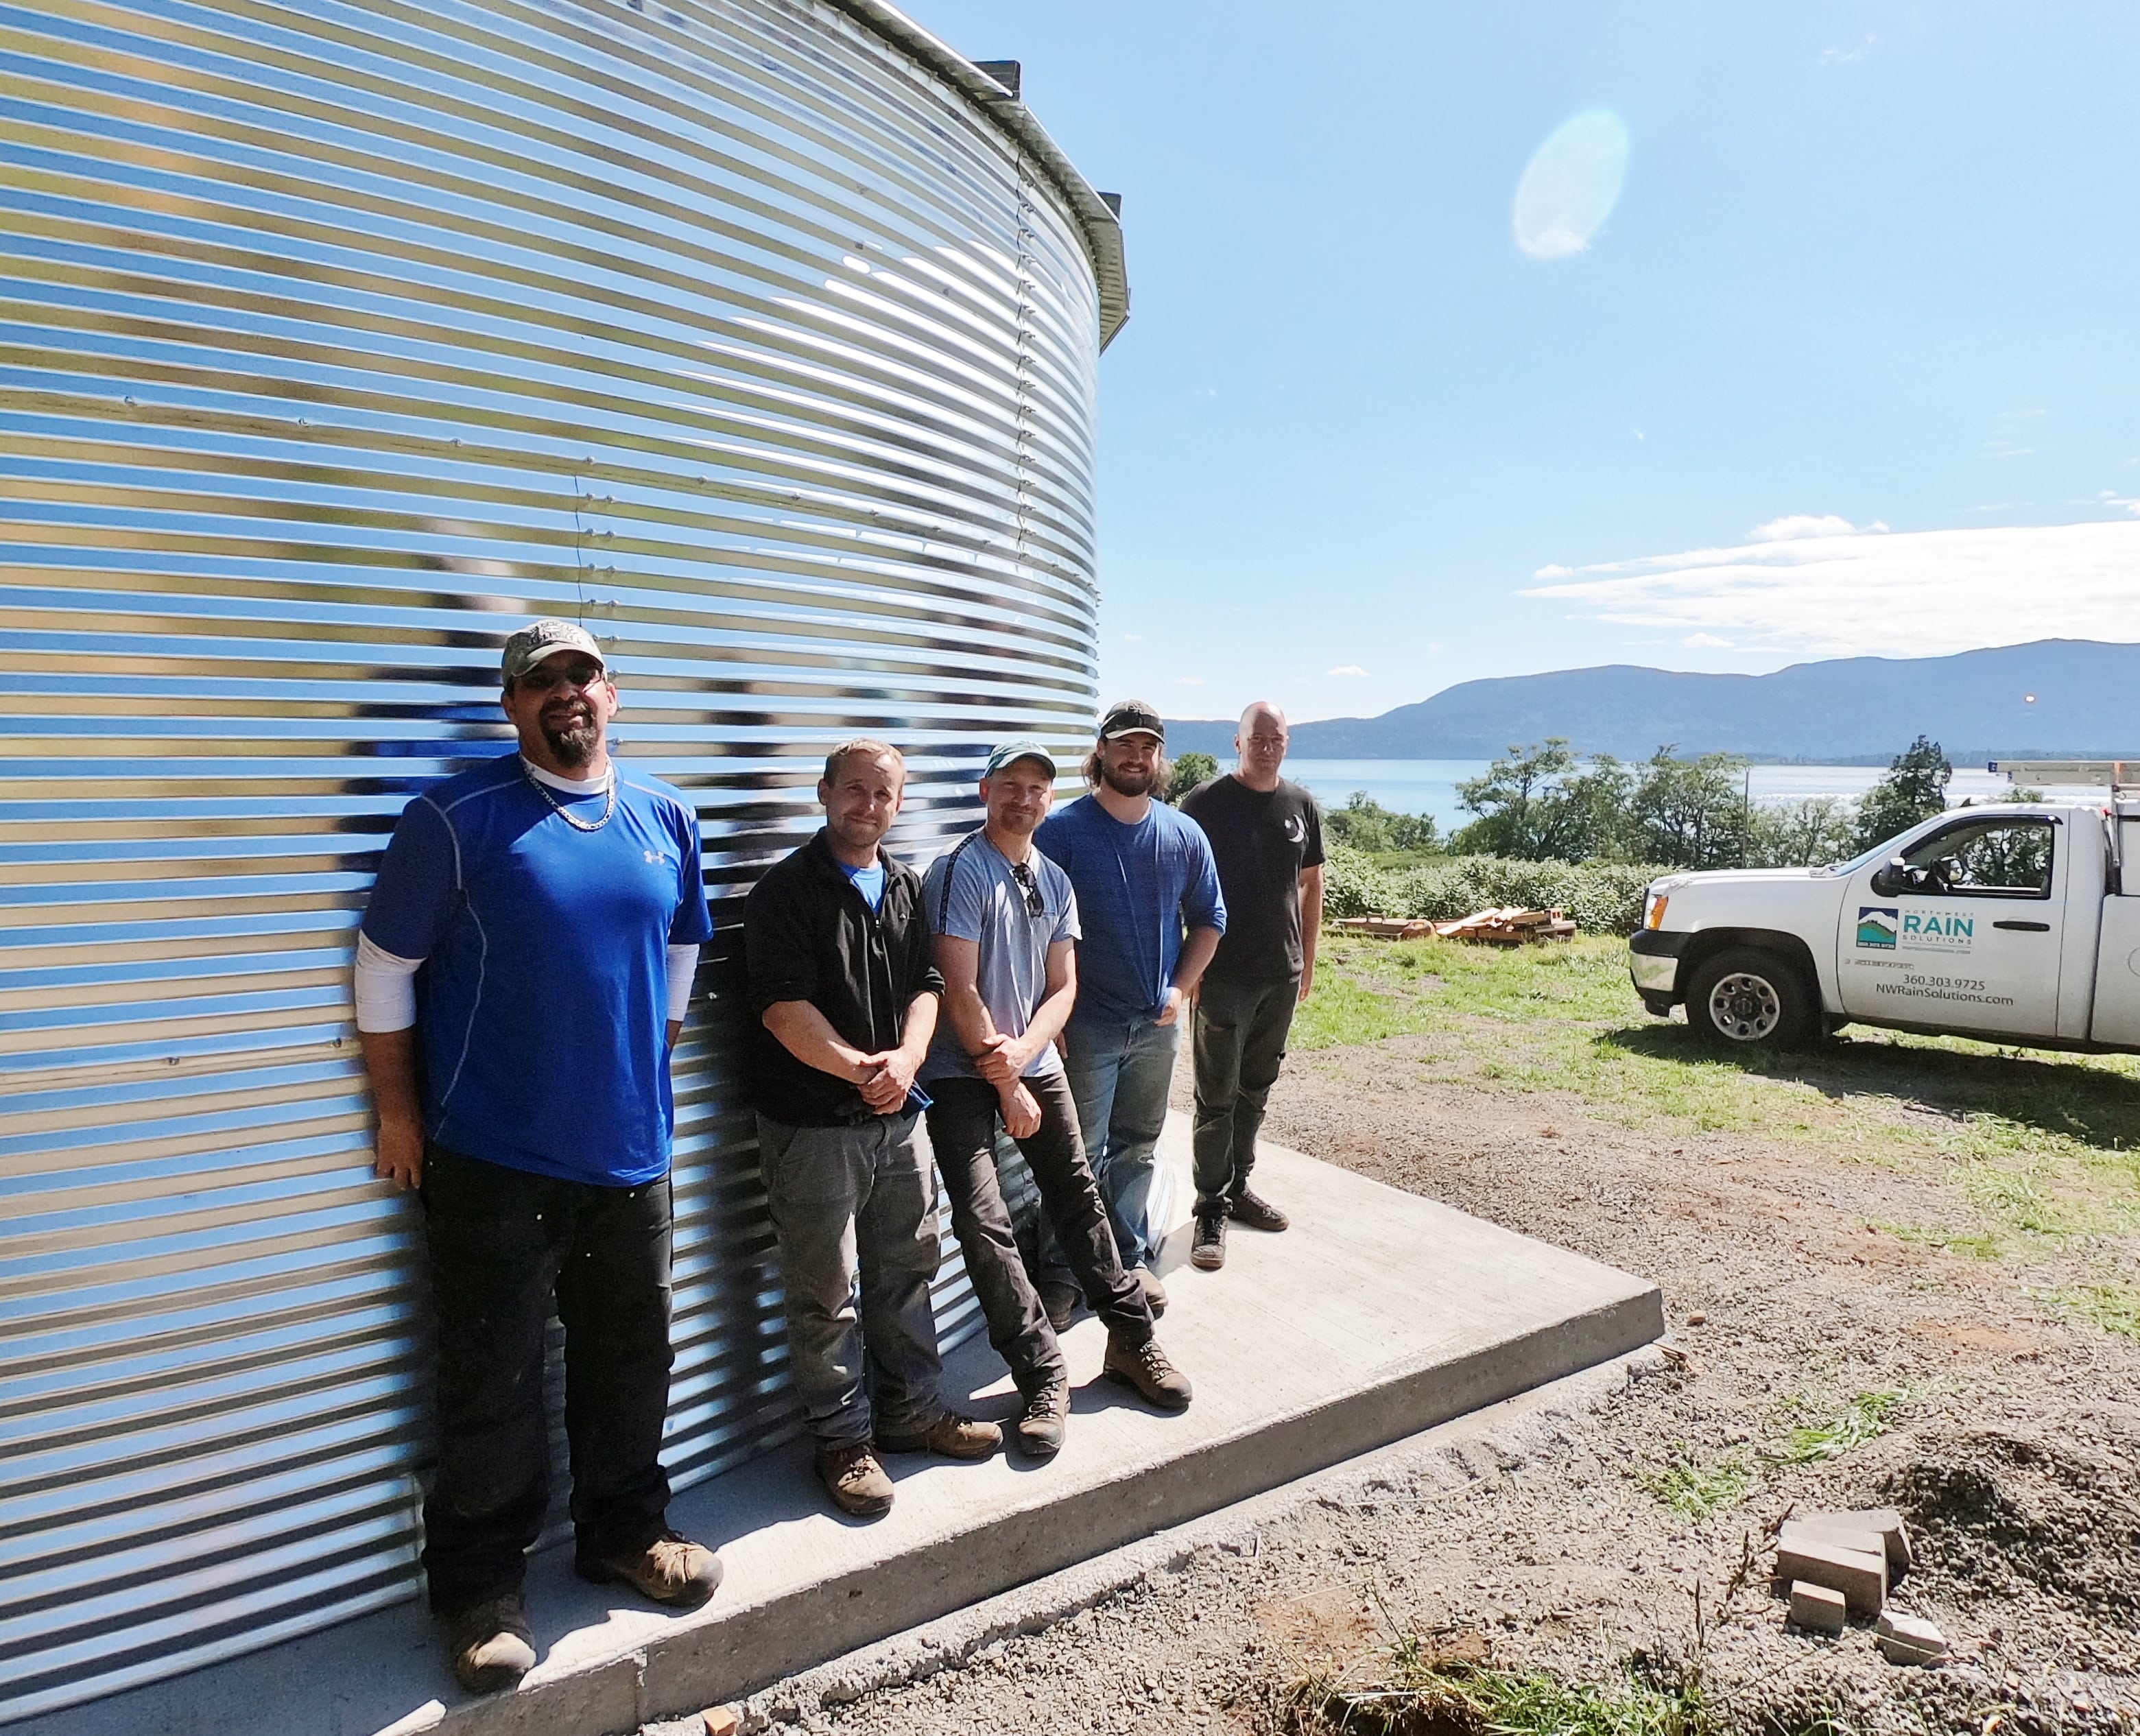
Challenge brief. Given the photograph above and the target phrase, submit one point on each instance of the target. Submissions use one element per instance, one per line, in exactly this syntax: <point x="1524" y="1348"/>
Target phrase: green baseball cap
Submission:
<point x="1022" y="747"/>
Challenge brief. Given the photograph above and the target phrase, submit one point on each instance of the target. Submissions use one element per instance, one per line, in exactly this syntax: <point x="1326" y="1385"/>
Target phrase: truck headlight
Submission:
<point x="1653" y="916"/>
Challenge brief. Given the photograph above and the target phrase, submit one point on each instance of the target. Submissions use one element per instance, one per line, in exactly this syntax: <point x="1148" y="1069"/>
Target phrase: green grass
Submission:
<point x="2110" y="1307"/>
<point x="1803" y="1431"/>
<point x="1408" y="1694"/>
<point x="1821" y="1433"/>
<point x="2038" y="1153"/>
<point x="1699" y="1488"/>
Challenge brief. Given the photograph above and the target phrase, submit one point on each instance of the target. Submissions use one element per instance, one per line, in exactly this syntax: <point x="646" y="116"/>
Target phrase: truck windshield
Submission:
<point x="1878" y="852"/>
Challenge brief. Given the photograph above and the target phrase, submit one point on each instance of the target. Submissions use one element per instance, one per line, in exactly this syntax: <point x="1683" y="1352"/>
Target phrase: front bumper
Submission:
<point x="1653" y="962"/>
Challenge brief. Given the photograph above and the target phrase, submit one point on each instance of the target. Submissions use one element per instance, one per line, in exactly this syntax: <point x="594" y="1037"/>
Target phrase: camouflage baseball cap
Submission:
<point x="531" y="645"/>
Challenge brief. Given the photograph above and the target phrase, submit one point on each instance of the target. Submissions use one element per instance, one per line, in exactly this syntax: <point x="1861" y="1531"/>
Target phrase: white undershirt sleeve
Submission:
<point x="683" y="968"/>
<point x="385" y="987"/>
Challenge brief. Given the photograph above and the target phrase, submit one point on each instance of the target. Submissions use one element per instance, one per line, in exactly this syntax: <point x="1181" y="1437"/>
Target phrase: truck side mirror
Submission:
<point x="1895" y="876"/>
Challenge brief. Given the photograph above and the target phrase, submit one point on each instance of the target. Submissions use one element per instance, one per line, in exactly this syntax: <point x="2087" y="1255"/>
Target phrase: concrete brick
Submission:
<point x="1861" y="1577"/>
<point x="1817" y="1607"/>
<point x="1841" y="1536"/>
<point x="1901" y="1651"/>
<point x="1910" y="1631"/>
<point x="722" y="1720"/>
<point x="1884" y="1521"/>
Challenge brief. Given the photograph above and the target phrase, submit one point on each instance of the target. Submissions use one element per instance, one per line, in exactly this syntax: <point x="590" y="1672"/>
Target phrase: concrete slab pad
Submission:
<point x="1378" y="1315"/>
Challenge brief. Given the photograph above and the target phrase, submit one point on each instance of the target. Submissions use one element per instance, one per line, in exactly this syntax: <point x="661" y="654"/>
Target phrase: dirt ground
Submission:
<point x="1823" y="1362"/>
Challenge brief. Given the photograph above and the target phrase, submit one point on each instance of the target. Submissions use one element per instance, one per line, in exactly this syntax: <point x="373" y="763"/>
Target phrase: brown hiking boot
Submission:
<point x="1042" y="1425"/>
<point x="950" y="1436"/>
<point x="1145" y="1366"/>
<point x="1207" y="1253"/>
<point x="854" y="1480"/>
<point x="1155" y="1293"/>
<point x="491" y="1644"/>
<point x="671" y="1570"/>
<point x="1257" y="1213"/>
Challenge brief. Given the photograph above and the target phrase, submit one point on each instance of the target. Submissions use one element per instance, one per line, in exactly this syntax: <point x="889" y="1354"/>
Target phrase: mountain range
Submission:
<point x="2054" y="698"/>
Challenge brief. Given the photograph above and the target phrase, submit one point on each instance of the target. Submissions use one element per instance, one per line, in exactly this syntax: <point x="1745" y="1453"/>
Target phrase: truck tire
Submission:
<point x="1749" y="998"/>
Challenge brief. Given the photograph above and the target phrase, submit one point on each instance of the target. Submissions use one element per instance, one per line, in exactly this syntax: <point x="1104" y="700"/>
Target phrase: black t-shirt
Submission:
<point x="1263" y="840"/>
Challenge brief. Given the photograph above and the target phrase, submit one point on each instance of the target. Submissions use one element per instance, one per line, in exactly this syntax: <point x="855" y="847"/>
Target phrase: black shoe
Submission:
<point x="1208" y="1251"/>
<point x="492" y="1645"/>
<point x="1060" y="1301"/>
<point x="1257" y="1213"/>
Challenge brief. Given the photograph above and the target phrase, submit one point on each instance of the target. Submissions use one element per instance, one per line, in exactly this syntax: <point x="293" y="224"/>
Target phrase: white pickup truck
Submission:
<point x="2015" y="922"/>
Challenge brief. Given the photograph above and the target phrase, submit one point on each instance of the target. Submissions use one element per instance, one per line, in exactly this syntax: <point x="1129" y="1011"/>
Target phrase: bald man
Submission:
<point x="1267" y="835"/>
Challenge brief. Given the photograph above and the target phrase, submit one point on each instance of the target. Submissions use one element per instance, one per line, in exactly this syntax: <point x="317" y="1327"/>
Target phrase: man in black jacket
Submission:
<point x="846" y="992"/>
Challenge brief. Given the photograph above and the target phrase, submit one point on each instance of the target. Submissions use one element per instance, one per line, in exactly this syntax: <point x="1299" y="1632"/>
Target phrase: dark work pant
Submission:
<point x="962" y="1128"/>
<point x="503" y="1243"/>
<point x="1240" y="1044"/>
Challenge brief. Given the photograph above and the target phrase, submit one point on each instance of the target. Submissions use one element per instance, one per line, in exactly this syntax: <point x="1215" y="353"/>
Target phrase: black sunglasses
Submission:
<point x="1035" y="904"/>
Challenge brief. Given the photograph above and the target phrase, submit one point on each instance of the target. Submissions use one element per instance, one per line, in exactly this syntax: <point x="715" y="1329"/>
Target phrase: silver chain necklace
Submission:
<point x="564" y="813"/>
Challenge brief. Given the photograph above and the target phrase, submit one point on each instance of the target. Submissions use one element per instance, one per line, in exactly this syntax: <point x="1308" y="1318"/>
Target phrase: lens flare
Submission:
<point x="1571" y="185"/>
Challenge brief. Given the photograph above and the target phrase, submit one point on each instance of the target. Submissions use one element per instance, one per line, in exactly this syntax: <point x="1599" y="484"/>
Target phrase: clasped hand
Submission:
<point x="886" y="1079"/>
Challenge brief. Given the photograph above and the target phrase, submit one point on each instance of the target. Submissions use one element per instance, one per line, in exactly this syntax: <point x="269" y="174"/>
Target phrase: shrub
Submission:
<point x="1352" y="884"/>
<point x="1604" y="898"/>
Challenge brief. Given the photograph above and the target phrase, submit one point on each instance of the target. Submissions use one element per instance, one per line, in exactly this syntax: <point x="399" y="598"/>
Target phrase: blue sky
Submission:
<point x="1849" y="367"/>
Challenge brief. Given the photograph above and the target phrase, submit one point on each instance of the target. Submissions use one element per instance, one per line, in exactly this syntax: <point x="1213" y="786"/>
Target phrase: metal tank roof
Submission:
<point x="1096" y="219"/>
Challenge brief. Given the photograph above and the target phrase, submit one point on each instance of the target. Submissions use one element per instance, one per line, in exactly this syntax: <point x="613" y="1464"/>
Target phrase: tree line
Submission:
<point x="1545" y="802"/>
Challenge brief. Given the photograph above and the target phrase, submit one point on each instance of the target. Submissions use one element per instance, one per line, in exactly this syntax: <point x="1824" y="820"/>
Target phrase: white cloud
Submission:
<point x="1706" y="642"/>
<point x="1913" y="593"/>
<point x="1347" y="669"/>
<point x="1188" y="680"/>
<point x="1805" y="524"/>
<point x="1134" y="638"/>
<point x="1554" y="572"/>
<point x="1840" y="56"/>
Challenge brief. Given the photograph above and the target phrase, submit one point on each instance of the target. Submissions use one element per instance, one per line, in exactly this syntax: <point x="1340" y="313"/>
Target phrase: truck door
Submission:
<point x="1965" y="935"/>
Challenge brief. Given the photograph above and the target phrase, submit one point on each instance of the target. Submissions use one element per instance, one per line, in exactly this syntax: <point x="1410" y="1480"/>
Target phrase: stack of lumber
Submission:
<point x="1513" y="926"/>
<point x="1386" y="928"/>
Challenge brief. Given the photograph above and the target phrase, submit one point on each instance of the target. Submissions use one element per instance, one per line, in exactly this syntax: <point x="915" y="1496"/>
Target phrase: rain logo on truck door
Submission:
<point x="1878" y="925"/>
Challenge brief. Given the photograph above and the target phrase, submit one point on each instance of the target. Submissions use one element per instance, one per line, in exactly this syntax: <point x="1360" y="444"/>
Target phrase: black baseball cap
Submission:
<point x="1132" y="717"/>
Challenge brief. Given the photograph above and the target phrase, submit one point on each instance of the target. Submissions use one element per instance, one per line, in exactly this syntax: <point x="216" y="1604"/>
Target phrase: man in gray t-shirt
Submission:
<point x="1006" y="924"/>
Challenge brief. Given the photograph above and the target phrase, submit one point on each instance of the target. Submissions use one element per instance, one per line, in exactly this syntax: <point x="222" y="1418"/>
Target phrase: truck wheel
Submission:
<point x="1746" y="999"/>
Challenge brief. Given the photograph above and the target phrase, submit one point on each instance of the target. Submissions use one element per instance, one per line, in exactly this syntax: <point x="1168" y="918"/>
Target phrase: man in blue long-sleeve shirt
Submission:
<point x="1142" y="872"/>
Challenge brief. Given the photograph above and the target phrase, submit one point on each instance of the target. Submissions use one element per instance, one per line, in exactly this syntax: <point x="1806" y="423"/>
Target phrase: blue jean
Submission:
<point x="854" y="1210"/>
<point x="1119" y="1071"/>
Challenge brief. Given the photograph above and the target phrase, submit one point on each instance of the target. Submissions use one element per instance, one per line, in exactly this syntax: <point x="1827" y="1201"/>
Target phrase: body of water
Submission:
<point x="1429" y="786"/>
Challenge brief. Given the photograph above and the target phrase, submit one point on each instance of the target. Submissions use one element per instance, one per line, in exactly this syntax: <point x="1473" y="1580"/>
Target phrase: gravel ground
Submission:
<point x="1815" y="1361"/>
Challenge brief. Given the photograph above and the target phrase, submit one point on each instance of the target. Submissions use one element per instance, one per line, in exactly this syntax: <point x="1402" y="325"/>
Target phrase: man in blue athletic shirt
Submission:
<point x="1141" y="872"/>
<point x="528" y="956"/>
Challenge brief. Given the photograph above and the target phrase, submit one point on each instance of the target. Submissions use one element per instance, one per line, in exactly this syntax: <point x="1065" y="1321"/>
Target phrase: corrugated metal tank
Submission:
<point x="337" y="341"/>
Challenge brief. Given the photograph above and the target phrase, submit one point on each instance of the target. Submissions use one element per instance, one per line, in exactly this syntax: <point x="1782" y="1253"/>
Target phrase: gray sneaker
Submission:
<point x="491" y="1643"/>
<point x="1207" y="1253"/>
